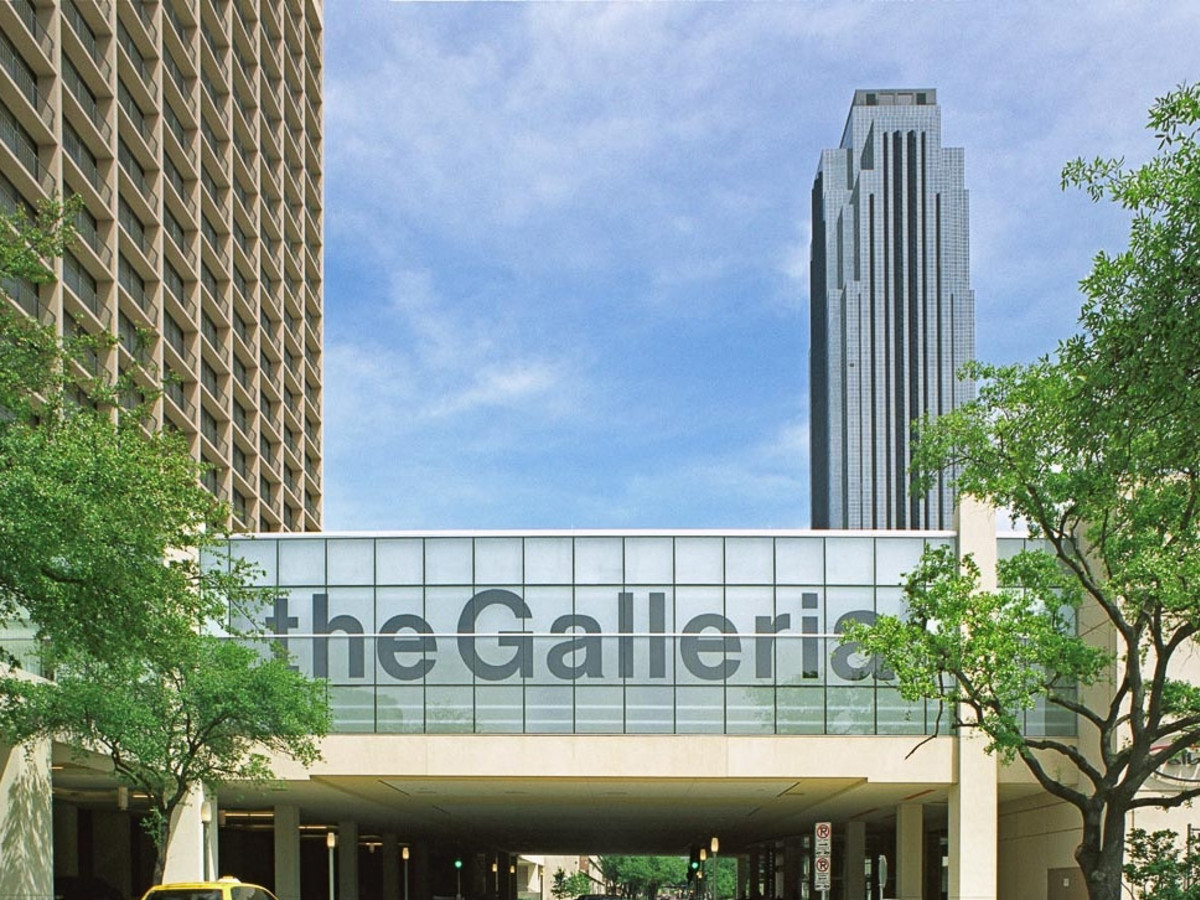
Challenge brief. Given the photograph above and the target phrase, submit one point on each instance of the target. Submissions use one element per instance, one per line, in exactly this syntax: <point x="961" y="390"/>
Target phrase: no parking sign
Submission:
<point x="823" y="862"/>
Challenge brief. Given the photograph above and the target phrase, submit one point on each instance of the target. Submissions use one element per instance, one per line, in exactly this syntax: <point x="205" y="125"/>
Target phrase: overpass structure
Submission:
<point x="500" y="694"/>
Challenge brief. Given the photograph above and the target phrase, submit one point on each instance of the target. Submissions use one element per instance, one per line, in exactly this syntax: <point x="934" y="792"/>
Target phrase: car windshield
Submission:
<point x="187" y="894"/>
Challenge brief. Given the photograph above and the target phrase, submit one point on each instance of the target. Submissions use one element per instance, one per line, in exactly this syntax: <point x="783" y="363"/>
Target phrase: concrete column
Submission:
<point x="66" y="839"/>
<point x="756" y="856"/>
<point x="421" y="874"/>
<point x="743" y="876"/>
<point x="973" y="796"/>
<point x="26" y="823"/>
<point x="185" y="846"/>
<point x="793" y="853"/>
<point x="112" y="847"/>
<point x="347" y="864"/>
<point x="211" y="832"/>
<point x="852" y="865"/>
<point x="973" y="828"/>
<point x="910" y="849"/>
<point x="391" y="866"/>
<point x="287" y="852"/>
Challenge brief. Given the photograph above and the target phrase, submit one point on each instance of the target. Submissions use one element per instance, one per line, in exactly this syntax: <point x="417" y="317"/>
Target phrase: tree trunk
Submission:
<point x="1102" y="859"/>
<point x="160" y="833"/>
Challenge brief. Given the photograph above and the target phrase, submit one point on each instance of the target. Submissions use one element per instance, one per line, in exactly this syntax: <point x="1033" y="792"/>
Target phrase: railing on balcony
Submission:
<point x="25" y="293"/>
<point x="82" y="284"/>
<point x="129" y="45"/>
<point x="27" y="13"/>
<point x="133" y="283"/>
<point x="21" y="143"/>
<point x="174" y="389"/>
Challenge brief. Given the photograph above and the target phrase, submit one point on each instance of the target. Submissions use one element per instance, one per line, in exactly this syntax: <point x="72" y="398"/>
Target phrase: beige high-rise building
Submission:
<point x="191" y="129"/>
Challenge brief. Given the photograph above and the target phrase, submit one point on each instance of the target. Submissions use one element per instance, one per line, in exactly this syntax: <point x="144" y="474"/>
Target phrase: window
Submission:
<point x="208" y="328"/>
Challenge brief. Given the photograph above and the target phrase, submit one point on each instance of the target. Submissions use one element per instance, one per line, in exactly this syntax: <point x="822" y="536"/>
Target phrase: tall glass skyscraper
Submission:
<point x="892" y="310"/>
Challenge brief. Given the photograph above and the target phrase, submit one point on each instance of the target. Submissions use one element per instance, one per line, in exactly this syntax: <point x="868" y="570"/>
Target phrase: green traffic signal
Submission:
<point x="458" y="864"/>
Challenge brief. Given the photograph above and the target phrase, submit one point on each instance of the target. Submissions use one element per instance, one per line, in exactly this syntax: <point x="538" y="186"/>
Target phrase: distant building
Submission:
<point x="191" y="132"/>
<point x="892" y="310"/>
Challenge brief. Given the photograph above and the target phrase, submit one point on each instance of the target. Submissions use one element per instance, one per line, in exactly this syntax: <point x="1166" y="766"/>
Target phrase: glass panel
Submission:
<point x="650" y="710"/>
<point x="846" y="664"/>
<point x="498" y="561"/>
<point x="851" y="710"/>
<point x="699" y="560"/>
<point x="302" y="561"/>
<point x="497" y="654"/>
<point x="749" y="560"/>
<point x="599" y="560"/>
<point x="895" y="715"/>
<point x="448" y="561"/>
<point x="700" y="710"/>
<point x="1058" y="721"/>
<point x="499" y="710"/>
<point x="895" y="557"/>
<point x="353" y="709"/>
<point x="750" y="710"/>
<point x="291" y="612"/>
<point x="259" y="553"/>
<point x="548" y="710"/>
<point x="648" y="560"/>
<point x="751" y="609"/>
<point x="548" y="560"/>
<point x="400" y="709"/>
<point x="559" y="658"/>
<point x="800" y="560"/>
<point x="351" y="561"/>
<point x="346" y="657"/>
<point x="399" y="561"/>
<point x="404" y="658"/>
<point x="801" y="710"/>
<point x="597" y="608"/>
<point x="449" y="710"/>
<point x="849" y="560"/>
<point x="890" y="601"/>
<point x="443" y="606"/>
<point x="801" y="659"/>
<point x="598" y="709"/>
<point x="708" y="653"/>
<point x="654" y="658"/>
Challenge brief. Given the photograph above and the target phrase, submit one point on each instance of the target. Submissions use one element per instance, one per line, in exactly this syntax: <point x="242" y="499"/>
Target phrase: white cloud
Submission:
<point x="569" y="243"/>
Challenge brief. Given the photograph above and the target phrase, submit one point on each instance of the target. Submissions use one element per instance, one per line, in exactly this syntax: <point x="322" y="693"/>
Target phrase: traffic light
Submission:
<point x="457" y="863"/>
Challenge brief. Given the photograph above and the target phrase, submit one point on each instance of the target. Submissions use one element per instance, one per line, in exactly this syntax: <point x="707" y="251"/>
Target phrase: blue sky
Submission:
<point x="567" y="244"/>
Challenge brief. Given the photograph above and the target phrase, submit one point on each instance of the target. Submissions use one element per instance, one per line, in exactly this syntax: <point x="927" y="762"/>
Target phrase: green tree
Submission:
<point x="572" y="885"/>
<point x="1158" y="869"/>
<point x="104" y="532"/>
<point x="643" y="876"/>
<point x="102" y="522"/>
<point x="1098" y="448"/>
<point x="207" y="711"/>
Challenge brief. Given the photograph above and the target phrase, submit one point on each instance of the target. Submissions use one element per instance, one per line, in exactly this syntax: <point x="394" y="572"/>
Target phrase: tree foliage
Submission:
<point x="642" y="876"/>
<point x="1098" y="448"/>
<point x="106" y="544"/>
<point x="101" y="520"/>
<point x="567" y="886"/>
<point x="203" y="711"/>
<point x="1158" y="869"/>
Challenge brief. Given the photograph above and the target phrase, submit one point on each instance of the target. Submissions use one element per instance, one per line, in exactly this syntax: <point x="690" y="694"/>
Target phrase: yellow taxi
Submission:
<point x="222" y="889"/>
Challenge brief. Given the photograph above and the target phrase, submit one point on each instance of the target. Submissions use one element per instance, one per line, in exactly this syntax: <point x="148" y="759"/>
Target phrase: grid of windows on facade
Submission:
<point x="191" y="133"/>
<point x="594" y="634"/>
<point x="892" y="310"/>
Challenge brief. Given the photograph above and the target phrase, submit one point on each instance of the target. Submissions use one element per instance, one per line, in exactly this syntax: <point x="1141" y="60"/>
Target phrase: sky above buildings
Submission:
<point x="566" y="245"/>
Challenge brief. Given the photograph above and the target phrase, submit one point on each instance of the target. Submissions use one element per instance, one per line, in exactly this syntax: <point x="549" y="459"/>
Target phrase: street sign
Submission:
<point x="823" y="856"/>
